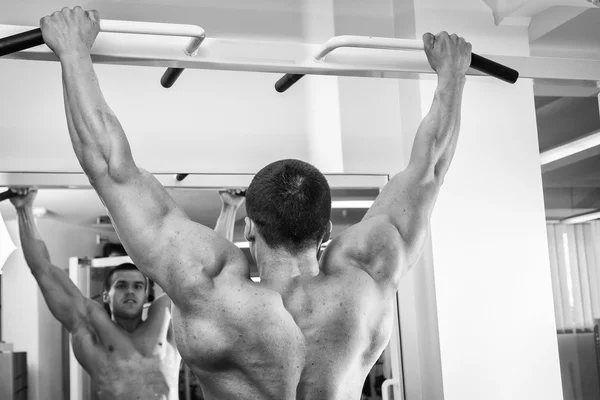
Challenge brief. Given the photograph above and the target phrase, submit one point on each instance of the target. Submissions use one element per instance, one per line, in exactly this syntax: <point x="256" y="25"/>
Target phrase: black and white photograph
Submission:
<point x="300" y="200"/>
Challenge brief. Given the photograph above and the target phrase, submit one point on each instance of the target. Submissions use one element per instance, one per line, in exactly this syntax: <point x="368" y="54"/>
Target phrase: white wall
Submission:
<point x="26" y="320"/>
<point x="496" y="318"/>
<point x="490" y="255"/>
<point x="210" y="121"/>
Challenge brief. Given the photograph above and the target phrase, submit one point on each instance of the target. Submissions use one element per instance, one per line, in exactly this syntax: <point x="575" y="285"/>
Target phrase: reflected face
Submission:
<point x="127" y="294"/>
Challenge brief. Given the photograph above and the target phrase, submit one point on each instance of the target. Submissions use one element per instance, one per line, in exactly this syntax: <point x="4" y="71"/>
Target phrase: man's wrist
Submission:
<point x="24" y="211"/>
<point x="74" y="55"/>
<point x="449" y="79"/>
<point x="450" y="86"/>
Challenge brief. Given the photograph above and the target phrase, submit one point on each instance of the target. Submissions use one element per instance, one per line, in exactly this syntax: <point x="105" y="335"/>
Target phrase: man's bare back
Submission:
<point x="316" y="338"/>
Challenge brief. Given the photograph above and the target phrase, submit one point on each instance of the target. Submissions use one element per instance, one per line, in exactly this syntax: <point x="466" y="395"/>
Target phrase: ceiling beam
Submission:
<point x="570" y="160"/>
<point x="552" y="88"/>
<point x="550" y="19"/>
<point x="581" y="218"/>
<point x="570" y="198"/>
<point x="572" y="148"/>
<point x="529" y="8"/>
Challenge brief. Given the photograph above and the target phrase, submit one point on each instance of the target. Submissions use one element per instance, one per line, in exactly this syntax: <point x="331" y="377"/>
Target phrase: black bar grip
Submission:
<point x="494" y="69"/>
<point x="21" y="41"/>
<point x="8" y="195"/>
<point x="180" y="177"/>
<point x="287" y="81"/>
<point x="170" y="77"/>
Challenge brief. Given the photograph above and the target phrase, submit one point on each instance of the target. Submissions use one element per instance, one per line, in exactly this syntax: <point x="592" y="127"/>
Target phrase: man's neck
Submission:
<point x="129" y="325"/>
<point x="278" y="268"/>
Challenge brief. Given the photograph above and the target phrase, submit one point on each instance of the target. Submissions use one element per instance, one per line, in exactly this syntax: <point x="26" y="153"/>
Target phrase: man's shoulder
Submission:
<point x="366" y="241"/>
<point x="373" y="246"/>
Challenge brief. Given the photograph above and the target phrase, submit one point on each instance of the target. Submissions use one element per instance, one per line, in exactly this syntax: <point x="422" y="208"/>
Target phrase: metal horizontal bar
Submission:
<point x="72" y="180"/>
<point x="155" y="28"/>
<point x="151" y="28"/>
<point x="296" y="58"/>
<point x="367" y="42"/>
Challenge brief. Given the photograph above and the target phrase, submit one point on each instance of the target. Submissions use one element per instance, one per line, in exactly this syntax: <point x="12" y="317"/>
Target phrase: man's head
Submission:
<point x="289" y="205"/>
<point x="125" y="291"/>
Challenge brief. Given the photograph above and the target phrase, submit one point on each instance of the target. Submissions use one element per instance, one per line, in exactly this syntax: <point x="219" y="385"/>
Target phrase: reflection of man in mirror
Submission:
<point x="311" y="328"/>
<point x="126" y="356"/>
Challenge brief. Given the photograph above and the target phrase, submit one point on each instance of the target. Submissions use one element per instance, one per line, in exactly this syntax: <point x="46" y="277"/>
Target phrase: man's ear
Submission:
<point x="105" y="297"/>
<point x="327" y="234"/>
<point x="249" y="230"/>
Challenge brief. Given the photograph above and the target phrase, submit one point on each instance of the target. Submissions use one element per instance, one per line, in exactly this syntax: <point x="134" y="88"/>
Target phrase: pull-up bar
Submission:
<point x="478" y="63"/>
<point x="32" y="38"/>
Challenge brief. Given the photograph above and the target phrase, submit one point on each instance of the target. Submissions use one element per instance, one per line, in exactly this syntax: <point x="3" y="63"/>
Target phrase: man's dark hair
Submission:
<point x="121" y="267"/>
<point x="290" y="203"/>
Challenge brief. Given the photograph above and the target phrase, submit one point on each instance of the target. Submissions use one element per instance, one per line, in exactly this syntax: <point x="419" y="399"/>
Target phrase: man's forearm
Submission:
<point x="438" y="133"/>
<point x="34" y="248"/>
<point x="97" y="136"/>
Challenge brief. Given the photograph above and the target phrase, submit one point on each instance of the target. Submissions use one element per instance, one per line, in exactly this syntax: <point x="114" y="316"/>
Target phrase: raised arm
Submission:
<point x="64" y="300"/>
<point x="402" y="211"/>
<point x="231" y="201"/>
<point x="158" y="236"/>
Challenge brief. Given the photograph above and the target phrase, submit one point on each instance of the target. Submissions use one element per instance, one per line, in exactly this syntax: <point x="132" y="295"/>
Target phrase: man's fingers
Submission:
<point x="428" y="40"/>
<point x="21" y="191"/>
<point x="442" y="35"/>
<point x="93" y="15"/>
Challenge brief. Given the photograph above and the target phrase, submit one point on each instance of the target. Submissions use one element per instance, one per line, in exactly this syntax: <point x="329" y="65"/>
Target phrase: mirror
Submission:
<point x="74" y="224"/>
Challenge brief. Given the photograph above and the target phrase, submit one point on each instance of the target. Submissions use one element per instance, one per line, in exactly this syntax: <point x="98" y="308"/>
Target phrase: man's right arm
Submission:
<point x="64" y="300"/>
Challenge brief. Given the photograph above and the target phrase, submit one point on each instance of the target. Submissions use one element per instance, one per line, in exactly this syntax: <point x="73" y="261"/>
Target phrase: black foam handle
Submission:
<point x="287" y="81"/>
<point x="170" y="77"/>
<point x="21" y="41"/>
<point x="7" y="195"/>
<point x="493" y="68"/>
